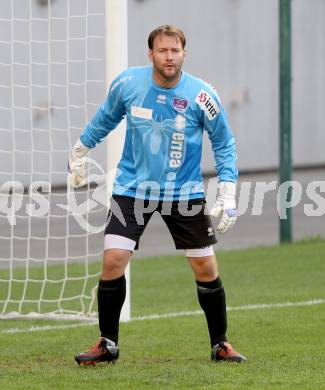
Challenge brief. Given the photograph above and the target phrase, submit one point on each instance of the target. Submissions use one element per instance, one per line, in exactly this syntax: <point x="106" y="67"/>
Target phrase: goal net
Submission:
<point x="52" y="79"/>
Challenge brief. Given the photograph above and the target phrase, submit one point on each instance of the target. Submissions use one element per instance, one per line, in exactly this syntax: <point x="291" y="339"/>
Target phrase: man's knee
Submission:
<point x="115" y="261"/>
<point x="206" y="273"/>
<point x="204" y="268"/>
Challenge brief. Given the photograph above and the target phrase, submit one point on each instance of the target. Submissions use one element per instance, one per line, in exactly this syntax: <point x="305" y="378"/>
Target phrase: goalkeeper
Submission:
<point x="166" y="111"/>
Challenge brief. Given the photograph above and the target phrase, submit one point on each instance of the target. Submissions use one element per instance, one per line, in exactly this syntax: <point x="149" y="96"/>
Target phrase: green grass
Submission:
<point x="285" y="346"/>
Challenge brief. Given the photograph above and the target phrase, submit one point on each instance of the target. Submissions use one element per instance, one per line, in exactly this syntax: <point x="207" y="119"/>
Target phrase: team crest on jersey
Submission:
<point x="180" y="104"/>
<point x="208" y="105"/>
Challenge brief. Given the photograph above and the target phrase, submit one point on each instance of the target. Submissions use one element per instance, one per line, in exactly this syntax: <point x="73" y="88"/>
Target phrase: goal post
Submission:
<point x="56" y="61"/>
<point x="116" y="62"/>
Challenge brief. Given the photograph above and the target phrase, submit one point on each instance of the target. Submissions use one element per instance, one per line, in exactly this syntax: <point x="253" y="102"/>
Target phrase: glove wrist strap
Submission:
<point x="79" y="150"/>
<point x="227" y="188"/>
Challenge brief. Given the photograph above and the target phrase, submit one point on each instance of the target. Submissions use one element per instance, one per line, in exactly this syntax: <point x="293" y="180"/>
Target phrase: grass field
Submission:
<point x="285" y="345"/>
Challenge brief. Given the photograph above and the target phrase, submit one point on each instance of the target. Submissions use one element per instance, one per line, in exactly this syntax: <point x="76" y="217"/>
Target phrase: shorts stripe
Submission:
<point x="200" y="252"/>
<point x="118" y="242"/>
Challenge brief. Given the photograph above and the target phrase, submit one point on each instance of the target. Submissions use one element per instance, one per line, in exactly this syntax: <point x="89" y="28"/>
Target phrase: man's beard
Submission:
<point x="169" y="76"/>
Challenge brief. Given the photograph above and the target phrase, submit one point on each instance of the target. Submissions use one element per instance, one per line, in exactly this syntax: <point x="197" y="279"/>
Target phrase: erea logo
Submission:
<point x="207" y="104"/>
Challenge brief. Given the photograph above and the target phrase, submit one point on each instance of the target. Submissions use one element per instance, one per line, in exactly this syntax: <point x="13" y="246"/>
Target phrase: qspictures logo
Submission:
<point x="40" y="202"/>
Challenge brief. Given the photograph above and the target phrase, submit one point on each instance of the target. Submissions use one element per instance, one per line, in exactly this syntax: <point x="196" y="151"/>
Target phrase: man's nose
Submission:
<point x="169" y="55"/>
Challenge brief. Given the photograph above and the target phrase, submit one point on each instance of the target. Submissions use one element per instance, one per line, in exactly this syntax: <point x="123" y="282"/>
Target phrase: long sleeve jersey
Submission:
<point x="164" y="128"/>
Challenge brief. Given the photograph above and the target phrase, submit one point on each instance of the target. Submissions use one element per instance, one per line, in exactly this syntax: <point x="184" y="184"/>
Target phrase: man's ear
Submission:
<point x="150" y="54"/>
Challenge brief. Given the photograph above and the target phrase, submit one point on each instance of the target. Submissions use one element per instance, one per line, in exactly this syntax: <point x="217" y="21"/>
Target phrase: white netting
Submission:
<point x="52" y="78"/>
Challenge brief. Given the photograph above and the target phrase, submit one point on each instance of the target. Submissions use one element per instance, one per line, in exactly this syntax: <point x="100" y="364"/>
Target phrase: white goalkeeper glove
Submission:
<point x="225" y="204"/>
<point x="77" y="172"/>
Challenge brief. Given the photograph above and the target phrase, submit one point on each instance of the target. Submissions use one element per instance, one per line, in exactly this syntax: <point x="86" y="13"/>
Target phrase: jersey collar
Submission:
<point x="166" y="90"/>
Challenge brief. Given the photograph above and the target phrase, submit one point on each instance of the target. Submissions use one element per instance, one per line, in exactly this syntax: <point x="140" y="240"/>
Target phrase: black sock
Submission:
<point x="213" y="302"/>
<point x="110" y="296"/>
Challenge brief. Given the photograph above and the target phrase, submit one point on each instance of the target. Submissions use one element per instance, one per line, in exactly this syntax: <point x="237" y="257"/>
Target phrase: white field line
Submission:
<point x="260" y="306"/>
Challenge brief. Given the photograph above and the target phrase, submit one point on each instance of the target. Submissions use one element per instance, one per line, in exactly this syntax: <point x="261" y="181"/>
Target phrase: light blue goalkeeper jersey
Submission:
<point x="163" y="143"/>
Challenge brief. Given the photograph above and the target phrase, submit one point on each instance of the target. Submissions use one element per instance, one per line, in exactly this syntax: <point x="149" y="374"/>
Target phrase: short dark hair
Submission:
<point x="167" y="30"/>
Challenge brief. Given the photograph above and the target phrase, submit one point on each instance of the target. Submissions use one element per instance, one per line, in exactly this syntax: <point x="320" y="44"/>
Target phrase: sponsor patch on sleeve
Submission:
<point x="207" y="104"/>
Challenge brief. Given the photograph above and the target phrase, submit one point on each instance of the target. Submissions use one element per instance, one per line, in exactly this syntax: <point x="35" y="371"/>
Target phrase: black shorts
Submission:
<point x="187" y="221"/>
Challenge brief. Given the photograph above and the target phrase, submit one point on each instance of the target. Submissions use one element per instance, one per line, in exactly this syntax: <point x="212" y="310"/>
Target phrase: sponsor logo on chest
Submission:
<point x="141" y="112"/>
<point x="207" y="104"/>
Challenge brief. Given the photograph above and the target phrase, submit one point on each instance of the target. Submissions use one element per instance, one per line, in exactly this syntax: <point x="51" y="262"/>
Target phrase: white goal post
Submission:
<point x="57" y="59"/>
<point x="117" y="61"/>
